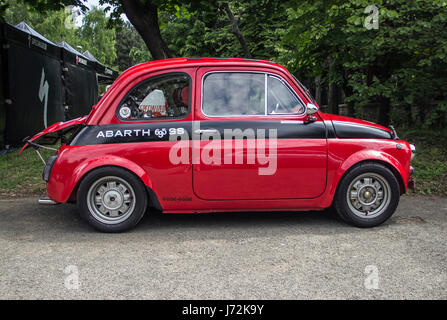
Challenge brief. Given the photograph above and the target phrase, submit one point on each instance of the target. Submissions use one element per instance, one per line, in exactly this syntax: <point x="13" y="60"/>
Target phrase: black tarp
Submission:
<point x="32" y="85"/>
<point x="80" y="82"/>
<point x="39" y="76"/>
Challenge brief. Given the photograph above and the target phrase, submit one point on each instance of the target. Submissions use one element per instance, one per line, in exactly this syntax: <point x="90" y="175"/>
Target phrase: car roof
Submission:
<point x="202" y="61"/>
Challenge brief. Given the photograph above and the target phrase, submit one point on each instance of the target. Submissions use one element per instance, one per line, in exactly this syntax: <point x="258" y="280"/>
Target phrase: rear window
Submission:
<point x="159" y="97"/>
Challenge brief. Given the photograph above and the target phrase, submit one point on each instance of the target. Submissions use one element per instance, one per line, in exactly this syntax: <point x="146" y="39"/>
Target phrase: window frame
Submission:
<point x="266" y="75"/>
<point x="117" y="115"/>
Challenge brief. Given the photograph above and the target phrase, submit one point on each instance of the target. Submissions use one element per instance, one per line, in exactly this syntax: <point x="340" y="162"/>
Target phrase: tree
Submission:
<point x="209" y="32"/>
<point x="235" y="28"/>
<point x="42" y="5"/>
<point x="397" y="65"/>
<point x="51" y="24"/>
<point x="144" y="17"/>
<point x="130" y="48"/>
<point x="143" y="14"/>
<point x="97" y="37"/>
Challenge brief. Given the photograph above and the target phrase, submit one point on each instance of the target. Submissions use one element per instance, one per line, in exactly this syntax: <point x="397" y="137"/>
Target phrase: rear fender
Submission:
<point x="108" y="160"/>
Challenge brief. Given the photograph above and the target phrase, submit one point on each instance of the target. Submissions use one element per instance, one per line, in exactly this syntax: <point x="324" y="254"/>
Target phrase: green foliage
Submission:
<point x="430" y="162"/>
<point x="130" y="48"/>
<point x="208" y="33"/>
<point x="97" y="38"/>
<point x="51" y="25"/>
<point x="402" y="63"/>
<point x="42" y="5"/>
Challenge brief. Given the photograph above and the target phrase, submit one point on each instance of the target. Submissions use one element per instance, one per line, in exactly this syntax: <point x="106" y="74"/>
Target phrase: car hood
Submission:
<point x="52" y="134"/>
<point x="346" y="127"/>
<point x="334" y="117"/>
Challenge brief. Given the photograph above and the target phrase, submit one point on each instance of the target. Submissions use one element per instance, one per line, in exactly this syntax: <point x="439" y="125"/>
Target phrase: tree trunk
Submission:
<point x="318" y="90"/>
<point x="144" y="18"/>
<point x="235" y="29"/>
<point x="410" y="117"/>
<point x="384" y="112"/>
<point x="333" y="99"/>
<point x="347" y="90"/>
<point x="350" y="105"/>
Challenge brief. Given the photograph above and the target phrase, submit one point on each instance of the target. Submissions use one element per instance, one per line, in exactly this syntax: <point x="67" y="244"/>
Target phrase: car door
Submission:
<point x="267" y="149"/>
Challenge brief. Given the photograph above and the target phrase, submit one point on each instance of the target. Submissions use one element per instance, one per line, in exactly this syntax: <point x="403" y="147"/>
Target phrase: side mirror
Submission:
<point x="311" y="109"/>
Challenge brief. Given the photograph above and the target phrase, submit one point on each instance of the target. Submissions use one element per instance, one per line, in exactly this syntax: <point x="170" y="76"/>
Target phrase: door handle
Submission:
<point x="199" y="131"/>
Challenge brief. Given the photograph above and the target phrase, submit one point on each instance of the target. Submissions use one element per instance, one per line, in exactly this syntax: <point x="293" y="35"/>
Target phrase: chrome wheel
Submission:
<point x="368" y="195"/>
<point x="111" y="200"/>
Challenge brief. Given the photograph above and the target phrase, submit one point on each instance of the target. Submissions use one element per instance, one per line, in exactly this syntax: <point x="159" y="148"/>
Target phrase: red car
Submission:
<point x="193" y="135"/>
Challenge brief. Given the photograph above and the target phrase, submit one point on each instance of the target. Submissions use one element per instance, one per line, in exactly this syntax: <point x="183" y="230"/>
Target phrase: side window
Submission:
<point x="280" y="99"/>
<point x="243" y="93"/>
<point x="234" y="93"/>
<point x="165" y="96"/>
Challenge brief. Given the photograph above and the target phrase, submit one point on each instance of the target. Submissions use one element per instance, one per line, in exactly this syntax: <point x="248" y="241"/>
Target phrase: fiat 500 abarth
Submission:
<point x="193" y="135"/>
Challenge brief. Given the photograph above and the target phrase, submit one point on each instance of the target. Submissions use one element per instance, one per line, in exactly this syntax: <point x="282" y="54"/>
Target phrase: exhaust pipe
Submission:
<point x="47" y="201"/>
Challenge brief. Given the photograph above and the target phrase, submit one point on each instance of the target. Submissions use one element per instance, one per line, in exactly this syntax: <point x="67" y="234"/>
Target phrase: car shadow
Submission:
<point x="243" y="223"/>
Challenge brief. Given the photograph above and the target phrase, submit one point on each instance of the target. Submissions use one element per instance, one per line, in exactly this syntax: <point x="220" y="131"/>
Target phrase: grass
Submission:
<point x="430" y="163"/>
<point x="21" y="175"/>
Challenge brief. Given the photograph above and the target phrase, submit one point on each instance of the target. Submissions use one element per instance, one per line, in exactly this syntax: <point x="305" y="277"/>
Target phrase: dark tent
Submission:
<point x="105" y="75"/>
<point x="79" y="80"/>
<point x="31" y="85"/>
<point x="43" y="83"/>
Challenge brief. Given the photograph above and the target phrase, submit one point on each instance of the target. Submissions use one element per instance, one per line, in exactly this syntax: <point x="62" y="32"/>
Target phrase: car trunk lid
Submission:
<point x="53" y="133"/>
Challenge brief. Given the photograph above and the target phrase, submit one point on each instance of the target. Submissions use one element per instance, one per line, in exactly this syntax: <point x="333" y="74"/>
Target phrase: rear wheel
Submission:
<point x="367" y="195"/>
<point x="112" y="199"/>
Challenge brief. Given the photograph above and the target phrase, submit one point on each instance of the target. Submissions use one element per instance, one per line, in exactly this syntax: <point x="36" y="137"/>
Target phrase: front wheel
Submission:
<point x="111" y="199"/>
<point x="367" y="195"/>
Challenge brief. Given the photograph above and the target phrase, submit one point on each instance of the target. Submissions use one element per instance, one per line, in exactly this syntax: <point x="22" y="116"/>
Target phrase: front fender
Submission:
<point x="371" y="155"/>
<point x="64" y="180"/>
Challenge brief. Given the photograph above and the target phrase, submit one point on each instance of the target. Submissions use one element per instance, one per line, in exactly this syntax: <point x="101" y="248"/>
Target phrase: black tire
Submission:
<point x="127" y="190"/>
<point x="347" y="209"/>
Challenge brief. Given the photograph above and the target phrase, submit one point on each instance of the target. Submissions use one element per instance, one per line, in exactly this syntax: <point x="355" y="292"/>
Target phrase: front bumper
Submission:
<point x="413" y="151"/>
<point x="412" y="180"/>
